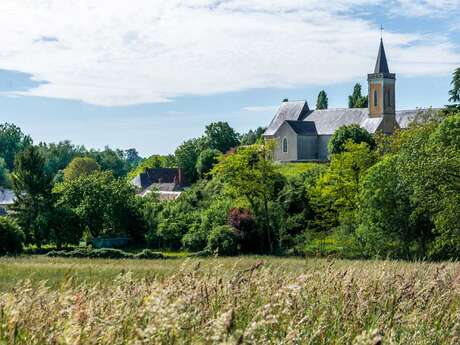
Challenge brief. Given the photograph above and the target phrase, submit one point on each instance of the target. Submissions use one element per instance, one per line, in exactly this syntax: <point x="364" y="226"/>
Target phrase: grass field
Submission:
<point x="250" y="300"/>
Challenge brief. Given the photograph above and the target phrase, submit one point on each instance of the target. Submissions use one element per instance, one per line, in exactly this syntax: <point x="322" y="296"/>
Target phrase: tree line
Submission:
<point x="380" y="196"/>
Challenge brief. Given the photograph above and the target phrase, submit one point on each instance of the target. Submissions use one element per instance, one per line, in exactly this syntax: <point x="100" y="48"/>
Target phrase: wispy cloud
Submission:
<point x="153" y="51"/>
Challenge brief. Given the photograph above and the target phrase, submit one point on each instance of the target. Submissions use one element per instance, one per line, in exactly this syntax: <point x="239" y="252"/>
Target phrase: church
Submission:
<point x="303" y="134"/>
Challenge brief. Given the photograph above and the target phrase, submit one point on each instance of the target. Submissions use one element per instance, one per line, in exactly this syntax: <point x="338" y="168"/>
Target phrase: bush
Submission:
<point x="224" y="240"/>
<point x="105" y="253"/>
<point x="11" y="237"/>
<point x="148" y="254"/>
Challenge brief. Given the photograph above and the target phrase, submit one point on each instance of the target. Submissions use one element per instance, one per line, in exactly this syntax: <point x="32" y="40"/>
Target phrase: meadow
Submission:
<point x="247" y="300"/>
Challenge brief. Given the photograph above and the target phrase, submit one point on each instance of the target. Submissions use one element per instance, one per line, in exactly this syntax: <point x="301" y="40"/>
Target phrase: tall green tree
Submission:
<point x="454" y="93"/>
<point x="187" y="155"/>
<point x="32" y="187"/>
<point x="12" y="141"/>
<point x="251" y="137"/>
<point x="356" y="99"/>
<point x="322" y="101"/>
<point x="251" y="175"/>
<point x="206" y="161"/>
<point x="336" y="193"/>
<point x="220" y="136"/>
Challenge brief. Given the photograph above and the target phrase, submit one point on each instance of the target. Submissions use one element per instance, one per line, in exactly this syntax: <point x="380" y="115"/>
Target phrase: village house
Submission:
<point x="303" y="134"/>
<point x="168" y="183"/>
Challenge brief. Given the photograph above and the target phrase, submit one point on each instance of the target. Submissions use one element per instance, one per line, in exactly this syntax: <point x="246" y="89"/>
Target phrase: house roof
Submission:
<point x="7" y="197"/>
<point x="303" y="127"/>
<point x="294" y="110"/>
<point x="381" y="65"/>
<point x="158" y="176"/>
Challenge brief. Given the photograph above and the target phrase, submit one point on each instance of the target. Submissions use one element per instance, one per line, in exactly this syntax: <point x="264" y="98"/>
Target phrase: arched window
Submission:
<point x="376" y="101"/>
<point x="285" y="145"/>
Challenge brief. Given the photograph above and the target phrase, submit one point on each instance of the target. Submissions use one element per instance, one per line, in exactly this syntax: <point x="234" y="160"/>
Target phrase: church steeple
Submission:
<point x="381" y="66"/>
<point x="381" y="97"/>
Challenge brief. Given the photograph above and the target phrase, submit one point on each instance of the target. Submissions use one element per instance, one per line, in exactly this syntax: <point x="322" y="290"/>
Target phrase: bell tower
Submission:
<point x="382" y="93"/>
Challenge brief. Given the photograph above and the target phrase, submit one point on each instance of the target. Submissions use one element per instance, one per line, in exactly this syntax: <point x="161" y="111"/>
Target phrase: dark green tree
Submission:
<point x="252" y="137"/>
<point x="322" y="101"/>
<point x="32" y="187"/>
<point x="220" y="136"/>
<point x="111" y="160"/>
<point x="357" y="100"/>
<point x="347" y="133"/>
<point x="11" y="236"/>
<point x="206" y="161"/>
<point x="12" y="141"/>
<point x="58" y="156"/>
<point x="5" y="179"/>
<point x="455" y="92"/>
<point x="187" y="155"/>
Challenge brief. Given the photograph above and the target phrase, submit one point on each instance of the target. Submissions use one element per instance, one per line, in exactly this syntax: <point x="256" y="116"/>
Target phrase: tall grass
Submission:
<point x="219" y="303"/>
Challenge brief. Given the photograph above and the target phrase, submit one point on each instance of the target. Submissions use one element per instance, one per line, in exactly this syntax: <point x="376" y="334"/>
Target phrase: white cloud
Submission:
<point x="111" y="52"/>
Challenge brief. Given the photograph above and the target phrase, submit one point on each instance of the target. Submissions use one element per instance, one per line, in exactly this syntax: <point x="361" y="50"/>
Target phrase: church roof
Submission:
<point x="381" y="65"/>
<point x="294" y="111"/>
<point x="328" y="120"/>
<point x="303" y="127"/>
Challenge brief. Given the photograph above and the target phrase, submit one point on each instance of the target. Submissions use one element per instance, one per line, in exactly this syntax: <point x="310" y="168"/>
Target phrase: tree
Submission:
<point x="12" y="141"/>
<point x="252" y="137"/>
<point x="251" y="175"/>
<point x="58" y="156"/>
<point x="187" y="155"/>
<point x="322" y="101"/>
<point x="335" y="195"/>
<point x="220" y="136"/>
<point x="80" y="166"/>
<point x="132" y="157"/>
<point x="357" y="100"/>
<point x="430" y="164"/>
<point x="105" y="205"/>
<point x="455" y="92"/>
<point x="349" y="132"/>
<point x="389" y="224"/>
<point x="206" y="161"/>
<point x="11" y="236"/>
<point x="5" y="179"/>
<point x="111" y="160"/>
<point x="32" y="187"/>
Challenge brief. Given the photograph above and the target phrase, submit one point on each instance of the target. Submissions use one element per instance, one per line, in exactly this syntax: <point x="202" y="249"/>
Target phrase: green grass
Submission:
<point x="294" y="169"/>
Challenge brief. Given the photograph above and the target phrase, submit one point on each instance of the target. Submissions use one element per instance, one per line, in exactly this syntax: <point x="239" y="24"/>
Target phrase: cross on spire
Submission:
<point x="381" y="31"/>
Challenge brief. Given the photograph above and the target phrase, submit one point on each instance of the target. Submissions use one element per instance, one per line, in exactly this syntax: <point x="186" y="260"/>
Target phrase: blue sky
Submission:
<point x="152" y="74"/>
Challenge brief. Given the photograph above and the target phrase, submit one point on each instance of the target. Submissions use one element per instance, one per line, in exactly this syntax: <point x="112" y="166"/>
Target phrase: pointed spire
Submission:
<point x="381" y="66"/>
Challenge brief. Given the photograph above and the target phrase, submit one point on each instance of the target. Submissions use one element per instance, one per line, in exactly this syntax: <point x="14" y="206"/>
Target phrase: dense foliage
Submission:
<point x="11" y="237"/>
<point x="351" y="132"/>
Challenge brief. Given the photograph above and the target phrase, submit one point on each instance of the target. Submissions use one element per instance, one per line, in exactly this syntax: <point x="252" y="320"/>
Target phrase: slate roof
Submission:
<point x="326" y="122"/>
<point x="7" y="197"/>
<point x="294" y="110"/>
<point x="381" y="65"/>
<point x="303" y="127"/>
<point x="157" y="175"/>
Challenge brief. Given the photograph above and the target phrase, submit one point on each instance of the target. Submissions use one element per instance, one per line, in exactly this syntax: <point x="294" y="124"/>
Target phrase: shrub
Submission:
<point x="11" y="237"/>
<point x="224" y="240"/>
<point x="351" y="132"/>
<point x="195" y="239"/>
<point x="148" y="254"/>
<point x="105" y="253"/>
